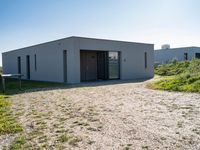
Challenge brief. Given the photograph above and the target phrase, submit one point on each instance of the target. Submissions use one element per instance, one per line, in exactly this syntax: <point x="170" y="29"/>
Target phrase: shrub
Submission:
<point x="179" y="76"/>
<point x="173" y="68"/>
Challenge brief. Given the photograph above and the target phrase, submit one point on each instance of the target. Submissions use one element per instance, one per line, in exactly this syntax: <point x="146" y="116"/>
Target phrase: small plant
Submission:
<point x="163" y="138"/>
<point x="72" y="140"/>
<point x="18" y="143"/>
<point x="180" y="124"/>
<point x="127" y="147"/>
<point x="92" y="129"/>
<point x="64" y="138"/>
<point x="90" y="142"/>
<point x="145" y="147"/>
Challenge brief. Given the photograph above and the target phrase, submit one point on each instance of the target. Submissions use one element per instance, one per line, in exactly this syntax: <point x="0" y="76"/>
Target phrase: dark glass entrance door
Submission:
<point x="113" y="65"/>
<point x="102" y="67"/>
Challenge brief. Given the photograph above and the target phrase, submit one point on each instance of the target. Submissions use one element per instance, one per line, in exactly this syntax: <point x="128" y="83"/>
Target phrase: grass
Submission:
<point x="12" y="85"/>
<point x="18" y="143"/>
<point x="72" y="140"/>
<point x="178" y="76"/>
<point x="8" y="123"/>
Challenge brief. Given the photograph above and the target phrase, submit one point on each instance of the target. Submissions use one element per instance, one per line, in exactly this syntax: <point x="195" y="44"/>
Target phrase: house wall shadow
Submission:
<point x="67" y="86"/>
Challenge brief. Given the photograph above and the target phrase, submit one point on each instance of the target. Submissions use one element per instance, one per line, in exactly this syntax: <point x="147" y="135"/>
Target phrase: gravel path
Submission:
<point x="109" y="116"/>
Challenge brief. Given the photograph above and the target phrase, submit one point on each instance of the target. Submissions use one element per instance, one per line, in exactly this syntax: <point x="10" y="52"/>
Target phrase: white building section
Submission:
<point x="163" y="56"/>
<point x="77" y="59"/>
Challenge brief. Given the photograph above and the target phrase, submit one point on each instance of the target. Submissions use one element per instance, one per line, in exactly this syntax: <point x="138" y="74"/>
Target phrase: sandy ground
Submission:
<point x="108" y="115"/>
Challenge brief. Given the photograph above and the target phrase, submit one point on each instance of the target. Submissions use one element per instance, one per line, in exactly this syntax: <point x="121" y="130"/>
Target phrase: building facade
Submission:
<point x="77" y="59"/>
<point x="163" y="56"/>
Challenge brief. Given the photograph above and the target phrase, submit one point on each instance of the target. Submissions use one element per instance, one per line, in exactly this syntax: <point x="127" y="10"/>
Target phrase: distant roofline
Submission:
<point x="177" y="48"/>
<point x="76" y="37"/>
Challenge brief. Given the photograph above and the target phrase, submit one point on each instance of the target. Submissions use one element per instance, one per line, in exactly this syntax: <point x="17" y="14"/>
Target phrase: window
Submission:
<point x="197" y="55"/>
<point x="185" y="56"/>
<point x="145" y="60"/>
<point x="113" y="65"/>
<point x="65" y="65"/>
<point x="35" y="62"/>
<point x="19" y="64"/>
<point x="28" y="71"/>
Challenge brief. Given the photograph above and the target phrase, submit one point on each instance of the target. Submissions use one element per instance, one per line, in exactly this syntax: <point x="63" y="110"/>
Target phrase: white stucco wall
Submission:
<point x="50" y="58"/>
<point x="165" y="55"/>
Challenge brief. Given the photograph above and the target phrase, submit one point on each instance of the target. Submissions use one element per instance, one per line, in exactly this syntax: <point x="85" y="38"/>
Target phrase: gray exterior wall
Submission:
<point x="50" y="59"/>
<point x="165" y="55"/>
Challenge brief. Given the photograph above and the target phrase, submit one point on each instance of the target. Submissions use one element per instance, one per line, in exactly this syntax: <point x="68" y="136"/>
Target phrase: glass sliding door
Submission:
<point x="113" y="65"/>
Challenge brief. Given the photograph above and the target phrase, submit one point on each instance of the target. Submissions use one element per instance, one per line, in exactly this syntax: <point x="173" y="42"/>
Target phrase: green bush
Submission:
<point x="179" y="76"/>
<point x="173" y="68"/>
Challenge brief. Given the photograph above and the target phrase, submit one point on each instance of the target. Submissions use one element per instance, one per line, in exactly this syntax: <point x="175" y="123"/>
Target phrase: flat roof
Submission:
<point x="78" y="37"/>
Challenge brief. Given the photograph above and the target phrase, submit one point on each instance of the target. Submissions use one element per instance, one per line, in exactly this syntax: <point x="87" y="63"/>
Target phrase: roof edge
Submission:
<point x="80" y="37"/>
<point x="76" y="37"/>
<point x="177" y="48"/>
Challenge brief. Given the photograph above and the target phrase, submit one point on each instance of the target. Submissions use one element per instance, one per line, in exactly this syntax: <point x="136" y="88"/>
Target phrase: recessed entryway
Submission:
<point x="99" y="65"/>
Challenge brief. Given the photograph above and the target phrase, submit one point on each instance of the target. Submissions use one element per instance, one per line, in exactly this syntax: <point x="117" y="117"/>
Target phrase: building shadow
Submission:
<point x="12" y="87"/>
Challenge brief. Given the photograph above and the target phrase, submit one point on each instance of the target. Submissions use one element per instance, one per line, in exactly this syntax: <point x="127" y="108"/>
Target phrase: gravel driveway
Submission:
<point x="109" y="115"/>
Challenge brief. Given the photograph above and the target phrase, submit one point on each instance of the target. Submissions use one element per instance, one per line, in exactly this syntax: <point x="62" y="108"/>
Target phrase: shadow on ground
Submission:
<point x="12" y="85"/>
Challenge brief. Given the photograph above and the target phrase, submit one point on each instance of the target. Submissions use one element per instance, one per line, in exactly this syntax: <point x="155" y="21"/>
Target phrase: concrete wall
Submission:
<point x="50" y="58"/>
<point x="165" y="55"/>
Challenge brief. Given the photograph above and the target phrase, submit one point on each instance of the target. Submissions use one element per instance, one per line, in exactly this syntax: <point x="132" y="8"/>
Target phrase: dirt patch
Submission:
<point x="118" y="116"/>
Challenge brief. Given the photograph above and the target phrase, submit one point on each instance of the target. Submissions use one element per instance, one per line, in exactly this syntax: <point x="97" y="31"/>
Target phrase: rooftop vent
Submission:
<point x="165" y="46"/>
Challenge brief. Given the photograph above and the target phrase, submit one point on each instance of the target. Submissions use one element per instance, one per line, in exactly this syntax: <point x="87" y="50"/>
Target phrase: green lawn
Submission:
<point x="12" y="85"/>
<point x="178" y="76"/>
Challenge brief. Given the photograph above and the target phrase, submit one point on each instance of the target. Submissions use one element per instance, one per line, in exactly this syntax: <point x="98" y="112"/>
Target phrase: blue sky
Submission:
<point x="28" y="22"/>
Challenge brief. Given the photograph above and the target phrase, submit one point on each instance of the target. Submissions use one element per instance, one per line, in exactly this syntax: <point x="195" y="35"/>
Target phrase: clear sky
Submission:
<point x="28" y="22"/>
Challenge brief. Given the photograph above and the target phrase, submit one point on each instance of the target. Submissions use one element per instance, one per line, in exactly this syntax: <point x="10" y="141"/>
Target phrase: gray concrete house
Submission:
<point x="163" y="56"/>
<point x="77" y="59"/>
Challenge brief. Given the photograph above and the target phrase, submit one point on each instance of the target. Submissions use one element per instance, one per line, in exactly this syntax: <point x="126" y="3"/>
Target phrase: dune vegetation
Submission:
<point x="178" y="76"/>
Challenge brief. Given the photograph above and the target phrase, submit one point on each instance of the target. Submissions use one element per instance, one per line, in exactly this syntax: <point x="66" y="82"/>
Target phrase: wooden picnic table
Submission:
<point x="4" y="76"/>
